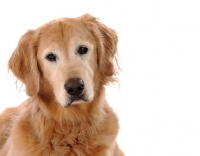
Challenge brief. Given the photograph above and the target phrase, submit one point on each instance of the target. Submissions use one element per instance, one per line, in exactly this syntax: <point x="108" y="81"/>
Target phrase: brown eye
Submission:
<point x="82" y="50"/>
<point x="51" y="57"/>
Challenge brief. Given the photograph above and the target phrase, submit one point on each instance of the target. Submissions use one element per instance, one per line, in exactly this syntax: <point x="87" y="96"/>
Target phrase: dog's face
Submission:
<point x="71" y="58"/>
<point x="67" y="57"/>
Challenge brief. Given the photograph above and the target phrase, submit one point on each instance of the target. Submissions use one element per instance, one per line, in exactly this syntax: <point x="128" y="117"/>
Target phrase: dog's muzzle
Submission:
<point x="75" y="88"/>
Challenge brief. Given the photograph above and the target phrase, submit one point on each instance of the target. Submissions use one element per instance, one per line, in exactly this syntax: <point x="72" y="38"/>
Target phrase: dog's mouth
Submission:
<point x="76" y="100"/>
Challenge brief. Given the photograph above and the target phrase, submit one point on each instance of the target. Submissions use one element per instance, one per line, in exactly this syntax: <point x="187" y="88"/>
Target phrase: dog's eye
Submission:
<point x="51" y="57"/>
<point x="82" y="50"/>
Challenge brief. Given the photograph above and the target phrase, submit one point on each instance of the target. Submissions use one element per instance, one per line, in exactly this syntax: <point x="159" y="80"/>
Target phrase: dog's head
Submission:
<point x="67" y="60"/>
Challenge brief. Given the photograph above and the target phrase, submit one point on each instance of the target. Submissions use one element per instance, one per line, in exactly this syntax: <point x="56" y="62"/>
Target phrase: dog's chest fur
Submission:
<point x="72" y="141"/>
<point x="87" y="138"/>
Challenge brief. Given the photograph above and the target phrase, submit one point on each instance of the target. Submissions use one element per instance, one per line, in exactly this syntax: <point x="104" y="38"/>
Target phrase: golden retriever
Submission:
<point x="65" y="65"/>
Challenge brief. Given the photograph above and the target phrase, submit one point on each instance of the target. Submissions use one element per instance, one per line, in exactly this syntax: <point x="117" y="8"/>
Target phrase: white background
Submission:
<point x="158" y="101"/>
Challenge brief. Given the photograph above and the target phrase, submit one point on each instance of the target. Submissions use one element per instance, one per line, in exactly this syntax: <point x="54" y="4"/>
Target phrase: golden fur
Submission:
<point x="42" y="126"/>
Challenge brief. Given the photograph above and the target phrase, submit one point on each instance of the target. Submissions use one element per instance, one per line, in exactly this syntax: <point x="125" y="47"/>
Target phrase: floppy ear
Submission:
<point x="23" y="62"/>
<point x="106" y="39"/>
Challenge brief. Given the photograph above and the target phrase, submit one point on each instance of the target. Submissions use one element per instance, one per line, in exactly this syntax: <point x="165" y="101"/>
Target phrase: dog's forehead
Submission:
<point x="65" y="31"/>
<point x="65" y="28"/>
<point x="64" y="35"/>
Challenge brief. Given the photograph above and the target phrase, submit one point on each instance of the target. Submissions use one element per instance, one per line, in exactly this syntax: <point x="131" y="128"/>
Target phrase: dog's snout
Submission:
<point x="74" y="86"/>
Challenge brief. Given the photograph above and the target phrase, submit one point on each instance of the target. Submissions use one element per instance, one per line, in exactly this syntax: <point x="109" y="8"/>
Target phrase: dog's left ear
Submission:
<point x="23" y="62"/>
<point x="106" y="39"/>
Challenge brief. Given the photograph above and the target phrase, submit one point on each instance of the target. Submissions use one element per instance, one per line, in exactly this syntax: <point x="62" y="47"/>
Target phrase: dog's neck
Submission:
<point x="83" y="112"/>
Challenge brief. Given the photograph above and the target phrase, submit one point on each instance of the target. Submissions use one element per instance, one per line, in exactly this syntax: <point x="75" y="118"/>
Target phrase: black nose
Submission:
<point x="74" y="86"/>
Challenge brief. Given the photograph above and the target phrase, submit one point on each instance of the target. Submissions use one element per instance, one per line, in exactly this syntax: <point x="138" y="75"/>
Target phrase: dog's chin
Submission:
<point x="70" y="100"/>
<point x="75" y="100"/>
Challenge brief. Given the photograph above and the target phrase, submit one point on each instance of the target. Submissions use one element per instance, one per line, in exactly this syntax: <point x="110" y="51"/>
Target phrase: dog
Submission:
<point x="65" y="66"/>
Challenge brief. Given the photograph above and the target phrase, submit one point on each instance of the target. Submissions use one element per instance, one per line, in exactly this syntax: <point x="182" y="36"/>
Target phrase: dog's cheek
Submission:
<point x="90" y="89"/>
<point x="58" y="81"/>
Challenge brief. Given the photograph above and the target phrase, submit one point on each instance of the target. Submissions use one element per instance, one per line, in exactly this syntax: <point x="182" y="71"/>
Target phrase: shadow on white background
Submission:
<point x="158" y="101"/>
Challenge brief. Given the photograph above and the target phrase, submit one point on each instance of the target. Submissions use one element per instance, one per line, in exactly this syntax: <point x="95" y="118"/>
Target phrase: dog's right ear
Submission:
<point x="23" y="62"/>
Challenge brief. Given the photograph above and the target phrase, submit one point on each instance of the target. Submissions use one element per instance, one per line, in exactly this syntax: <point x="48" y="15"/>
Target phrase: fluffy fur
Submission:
<point x="49" y="122"/>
